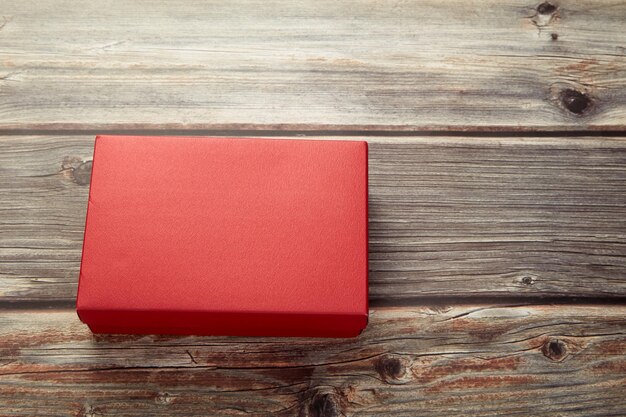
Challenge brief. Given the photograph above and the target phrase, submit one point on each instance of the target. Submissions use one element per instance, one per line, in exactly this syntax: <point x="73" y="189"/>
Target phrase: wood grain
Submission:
<point x="311" y="65"/>
<point x="463" y="360"/>
<point x="449" y="216"/>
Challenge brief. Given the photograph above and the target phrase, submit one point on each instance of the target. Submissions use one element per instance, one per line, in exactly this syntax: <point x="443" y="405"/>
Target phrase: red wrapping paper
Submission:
<point x="226" y="236"/>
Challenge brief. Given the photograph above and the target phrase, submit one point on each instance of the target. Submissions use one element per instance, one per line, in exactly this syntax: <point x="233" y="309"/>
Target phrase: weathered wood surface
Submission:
<point x="463" y="360"/>
<point x="448" y="216"/>
<point x="311" y="65"/>
<point x="502" y="218"/>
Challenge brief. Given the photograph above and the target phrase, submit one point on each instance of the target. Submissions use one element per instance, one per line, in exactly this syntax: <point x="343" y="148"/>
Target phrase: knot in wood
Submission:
<point x="575" y="101"/>
<point x="389" y="368"/>
<point x="554" y="36"/>
<point x="90" y="411"/>
<point x="528" y="280"/>
<point x="163" y="398"/>
<point x="554" y="350"/>
<point x="546" y="8"/>
<point x="324" y="405"/>
<point x="82" y="173"/>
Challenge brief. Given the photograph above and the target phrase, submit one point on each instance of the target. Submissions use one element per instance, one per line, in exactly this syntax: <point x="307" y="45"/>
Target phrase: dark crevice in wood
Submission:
<point x="503" y="301"/>
<point x="388" y="131"/>
<point x="7" y="304"/>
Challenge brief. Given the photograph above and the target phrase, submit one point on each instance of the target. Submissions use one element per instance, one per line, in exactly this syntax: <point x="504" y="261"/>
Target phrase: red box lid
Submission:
<point x="225" y="236"/>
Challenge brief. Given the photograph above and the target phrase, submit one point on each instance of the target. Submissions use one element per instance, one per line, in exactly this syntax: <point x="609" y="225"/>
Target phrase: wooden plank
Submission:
<point x="449" y="216"/>
<point x="311" y="65"/>
<point x="469" y="360"/>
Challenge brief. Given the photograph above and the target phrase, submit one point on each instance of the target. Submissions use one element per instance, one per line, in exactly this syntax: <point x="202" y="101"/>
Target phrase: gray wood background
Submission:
<point x="497" y="134"/>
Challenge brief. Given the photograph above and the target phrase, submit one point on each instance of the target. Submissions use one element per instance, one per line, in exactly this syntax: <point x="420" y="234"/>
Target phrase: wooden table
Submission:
<point x="497" y="135"/>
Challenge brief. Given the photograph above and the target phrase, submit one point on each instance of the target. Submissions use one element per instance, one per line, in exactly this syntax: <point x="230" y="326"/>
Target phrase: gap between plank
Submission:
<point x="619" y="131"/>
<point x="404" y="302"/>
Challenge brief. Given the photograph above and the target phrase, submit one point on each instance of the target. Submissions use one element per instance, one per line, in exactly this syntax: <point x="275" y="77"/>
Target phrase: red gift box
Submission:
<point x="225" y="236"/>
